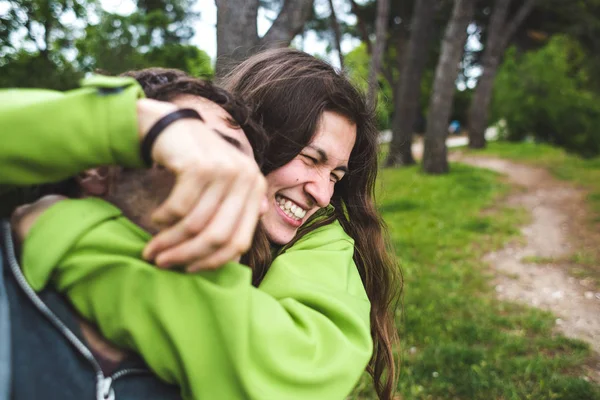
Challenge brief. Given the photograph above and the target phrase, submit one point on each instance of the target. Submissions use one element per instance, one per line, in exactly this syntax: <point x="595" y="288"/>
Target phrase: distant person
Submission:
<point x="454" y="128"/>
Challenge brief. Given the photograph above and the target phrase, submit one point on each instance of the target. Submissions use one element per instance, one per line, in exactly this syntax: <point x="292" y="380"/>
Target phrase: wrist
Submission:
<point x="149" y="112"/>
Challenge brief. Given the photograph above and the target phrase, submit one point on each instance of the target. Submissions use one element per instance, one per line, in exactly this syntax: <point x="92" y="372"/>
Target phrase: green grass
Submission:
<point x="458" y="341"/>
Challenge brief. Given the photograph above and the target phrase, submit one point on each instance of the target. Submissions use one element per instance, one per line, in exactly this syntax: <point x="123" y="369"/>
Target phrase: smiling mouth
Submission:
<point x="289" y="208"/>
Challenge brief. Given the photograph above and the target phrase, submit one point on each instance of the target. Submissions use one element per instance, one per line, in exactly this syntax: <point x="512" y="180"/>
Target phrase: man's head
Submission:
<point x="137" y="192"/>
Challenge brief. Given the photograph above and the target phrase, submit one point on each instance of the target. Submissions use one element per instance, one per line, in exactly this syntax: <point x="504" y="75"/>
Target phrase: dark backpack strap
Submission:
<point x="5" y="340"/>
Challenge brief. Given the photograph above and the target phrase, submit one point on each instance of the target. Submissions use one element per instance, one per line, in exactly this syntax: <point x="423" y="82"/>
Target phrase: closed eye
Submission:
<point x="335" y="178"/>
<point x="311" y="159"/>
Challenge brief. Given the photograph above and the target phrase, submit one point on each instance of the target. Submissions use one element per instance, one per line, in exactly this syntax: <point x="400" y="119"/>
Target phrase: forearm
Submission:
<point x="47" y="136"/>
<point x="304" y="334"/>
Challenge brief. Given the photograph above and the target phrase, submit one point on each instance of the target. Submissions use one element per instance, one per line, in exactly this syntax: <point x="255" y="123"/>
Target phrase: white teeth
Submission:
<point x="289" y="208"/>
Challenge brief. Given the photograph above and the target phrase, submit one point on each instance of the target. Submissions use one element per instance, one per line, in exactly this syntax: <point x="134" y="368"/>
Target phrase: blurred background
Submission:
<point x="489" y="112"/>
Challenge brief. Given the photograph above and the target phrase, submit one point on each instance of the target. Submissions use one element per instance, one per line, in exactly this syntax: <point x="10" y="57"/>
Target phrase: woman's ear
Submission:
<point x="95" y="181"/>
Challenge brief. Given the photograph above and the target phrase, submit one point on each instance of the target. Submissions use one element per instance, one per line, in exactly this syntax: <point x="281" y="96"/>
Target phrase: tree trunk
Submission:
<point x="408" y="92"/>
<point x="435" y="156"/>
<point x="383" y="11"/>
<point x="362" y="27"/>
<point x="237" y="35"/>
<point x="337" y="35"/>
<point x="498" y="38"/>
<point x="289" y="23"/>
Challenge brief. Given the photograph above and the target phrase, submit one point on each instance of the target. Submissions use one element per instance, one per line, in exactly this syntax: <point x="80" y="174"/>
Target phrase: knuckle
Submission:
<point x="191" y="226"/>
<point x="217" y="240"/>
<point x="241" y="246"/>
<point x="261" y="183"/>
<point x="177" y="211"/>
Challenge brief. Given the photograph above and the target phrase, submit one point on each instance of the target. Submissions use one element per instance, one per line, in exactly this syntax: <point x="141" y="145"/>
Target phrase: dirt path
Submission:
<point x="556" y="210"/>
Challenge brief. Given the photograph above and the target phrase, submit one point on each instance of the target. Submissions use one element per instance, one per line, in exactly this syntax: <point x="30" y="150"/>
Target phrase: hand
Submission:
<point x="25" y="216"/>
<point x="210" y="215"/>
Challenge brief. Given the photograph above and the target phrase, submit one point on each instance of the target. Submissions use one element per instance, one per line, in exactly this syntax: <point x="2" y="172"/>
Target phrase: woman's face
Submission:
<point x="305" y="184"/>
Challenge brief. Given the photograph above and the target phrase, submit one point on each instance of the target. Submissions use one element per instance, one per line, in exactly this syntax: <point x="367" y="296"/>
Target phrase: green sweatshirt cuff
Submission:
<point x="121" y="117"/>
<point x="43" y="248"/>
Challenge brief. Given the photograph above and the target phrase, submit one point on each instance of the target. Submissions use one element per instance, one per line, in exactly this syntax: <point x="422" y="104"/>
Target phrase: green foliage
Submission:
<point x="59" y="54"/>
<point x="458" y="341"/>
<point x="155" y="36"/>
<point x="30" y="70"/>
<point x="545" y="94"/>
<point x="357" y="63"/>
<point x="185" y="57"/>
<point x="34" y="41"/>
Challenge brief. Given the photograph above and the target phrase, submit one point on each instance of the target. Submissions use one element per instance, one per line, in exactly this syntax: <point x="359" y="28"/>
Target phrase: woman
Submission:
<point x="310" y="304"/>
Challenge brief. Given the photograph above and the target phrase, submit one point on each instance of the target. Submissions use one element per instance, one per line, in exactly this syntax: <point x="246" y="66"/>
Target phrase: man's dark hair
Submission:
<point x="167" y="84"/>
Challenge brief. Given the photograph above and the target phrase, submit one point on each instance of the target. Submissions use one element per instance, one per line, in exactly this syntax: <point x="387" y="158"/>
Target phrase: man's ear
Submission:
<point x="95" y="181"/>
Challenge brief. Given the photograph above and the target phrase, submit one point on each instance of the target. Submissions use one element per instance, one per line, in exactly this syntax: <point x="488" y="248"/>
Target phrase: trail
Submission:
<point x="555" y="208"/>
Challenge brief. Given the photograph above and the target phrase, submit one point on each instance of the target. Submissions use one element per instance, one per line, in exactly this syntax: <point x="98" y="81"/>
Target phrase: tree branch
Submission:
<point x="336" y="33"/>
<point x="383" y="12"/>
<point x="362" y="28"/>
<point x="288" y="24"/>
<point x="511" y="28"/>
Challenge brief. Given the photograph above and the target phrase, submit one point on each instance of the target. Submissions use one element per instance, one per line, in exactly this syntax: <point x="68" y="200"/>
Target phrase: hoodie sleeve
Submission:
<point x="48" y="136"/>
<point x="303" y="334"/>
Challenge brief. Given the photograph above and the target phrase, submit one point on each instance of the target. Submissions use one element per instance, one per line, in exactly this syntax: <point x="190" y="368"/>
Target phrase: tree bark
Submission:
<point x="408" y="91"/>
<point x="383" y="11"/>
<point x="289" y="23"/>
<point x="362" y="27"/>
<point x="499" y="35"/>
<point x="337" y="35"/>
<point x="237" y="35"/>
<point x="435" y="155"/>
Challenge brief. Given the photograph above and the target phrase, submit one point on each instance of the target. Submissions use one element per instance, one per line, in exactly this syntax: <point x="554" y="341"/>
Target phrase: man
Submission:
<point x="53" y="352"/>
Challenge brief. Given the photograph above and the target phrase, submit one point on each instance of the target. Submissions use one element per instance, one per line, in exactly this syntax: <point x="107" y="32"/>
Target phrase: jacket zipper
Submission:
<point x="104" y="384"/>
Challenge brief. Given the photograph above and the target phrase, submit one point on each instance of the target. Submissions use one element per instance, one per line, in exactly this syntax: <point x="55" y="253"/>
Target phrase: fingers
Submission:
<point x="215" y="203"/>
<point x="228" y="234"/>
<point x="186" y="192"/>
<point x="242" y="235"/>
<point x="206" y="206"/>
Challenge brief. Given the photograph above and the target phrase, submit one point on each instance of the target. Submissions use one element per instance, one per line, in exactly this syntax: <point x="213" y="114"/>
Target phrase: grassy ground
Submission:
<point x="458" y="342"/>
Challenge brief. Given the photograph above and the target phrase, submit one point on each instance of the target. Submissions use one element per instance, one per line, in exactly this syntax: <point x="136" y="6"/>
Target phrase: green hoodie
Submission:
<point x="303" y="334"/>
<point x="47" y="136"/>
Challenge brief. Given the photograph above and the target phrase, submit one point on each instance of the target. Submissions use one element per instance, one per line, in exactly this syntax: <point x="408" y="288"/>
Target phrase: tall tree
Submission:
<point x="33" y="40"/>
<point x="381" y="24"/>
<point x="406" y="100"/>
<point x="337" y="34"/>
<point x="237" y="34"/>
<point x="435" y="156"/>
<point x="500" y="31"/>
<point x="157" y="34"/>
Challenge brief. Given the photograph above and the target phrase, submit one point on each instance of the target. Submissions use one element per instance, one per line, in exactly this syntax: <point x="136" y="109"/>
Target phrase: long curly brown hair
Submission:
<point x="288" y="91"/>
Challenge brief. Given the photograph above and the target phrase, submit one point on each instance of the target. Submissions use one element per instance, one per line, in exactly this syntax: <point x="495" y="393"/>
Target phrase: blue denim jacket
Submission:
<point x="4" y="338"/>
<point x="43" y="353"/>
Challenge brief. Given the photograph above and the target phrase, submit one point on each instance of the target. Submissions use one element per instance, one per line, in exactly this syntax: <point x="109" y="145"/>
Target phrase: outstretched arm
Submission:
<point x="303" y="334"/>
<point x="48" y="136"/>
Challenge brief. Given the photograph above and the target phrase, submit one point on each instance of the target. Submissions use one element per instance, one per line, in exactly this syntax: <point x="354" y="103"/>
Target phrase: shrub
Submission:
<point x="545" y="94"/>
